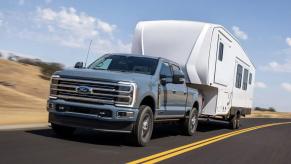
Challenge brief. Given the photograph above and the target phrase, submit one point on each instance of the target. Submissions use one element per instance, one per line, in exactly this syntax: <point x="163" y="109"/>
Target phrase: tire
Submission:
<point x="63" y="131"/>
<point x="190" y="124"/>
<point x="143" y="128"/>
<point x="235" y="121"/>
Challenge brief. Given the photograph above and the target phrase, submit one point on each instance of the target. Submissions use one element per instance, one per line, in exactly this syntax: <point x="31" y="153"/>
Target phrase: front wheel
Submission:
<point x="143" y="127"/>
<point x="190" y="124"/>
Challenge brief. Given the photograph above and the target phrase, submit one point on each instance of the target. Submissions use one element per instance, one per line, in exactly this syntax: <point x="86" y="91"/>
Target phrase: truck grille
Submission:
<point x="89" y="91"/>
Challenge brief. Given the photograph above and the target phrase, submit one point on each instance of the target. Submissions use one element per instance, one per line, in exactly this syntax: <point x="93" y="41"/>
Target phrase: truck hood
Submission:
<point x="112" y="76"/>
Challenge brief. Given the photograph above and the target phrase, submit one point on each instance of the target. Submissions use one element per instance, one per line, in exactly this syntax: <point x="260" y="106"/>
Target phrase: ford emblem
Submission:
<point x="84" y="90"/>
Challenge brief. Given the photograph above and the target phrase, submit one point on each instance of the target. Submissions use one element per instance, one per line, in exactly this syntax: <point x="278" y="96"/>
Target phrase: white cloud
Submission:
<point x="71" y="28"/>
<point x="21" y="2"/>
<point x="260" y="85"/>
<point x="239" y="33"/>
<point x="288" y="41"/>
<point x="286" y="86"/>
<point x="65" y="27"/>
<point x="50" y="28"/>
<point x="105" y="27"/>
<point x="278" y="67"/>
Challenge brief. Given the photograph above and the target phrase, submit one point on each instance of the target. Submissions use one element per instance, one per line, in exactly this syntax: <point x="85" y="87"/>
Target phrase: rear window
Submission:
<point x="245" y="79"/>
<point x="238" y="80"/>
<point x="250" y="78"/>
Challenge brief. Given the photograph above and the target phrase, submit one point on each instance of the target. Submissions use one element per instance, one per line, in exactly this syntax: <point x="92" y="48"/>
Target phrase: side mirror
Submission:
<point x="79" y="65"/>
<point x="178" y="79"/>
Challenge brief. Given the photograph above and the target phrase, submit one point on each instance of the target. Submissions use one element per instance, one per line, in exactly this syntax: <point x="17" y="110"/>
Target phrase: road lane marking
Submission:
<point x="195" y="145"/>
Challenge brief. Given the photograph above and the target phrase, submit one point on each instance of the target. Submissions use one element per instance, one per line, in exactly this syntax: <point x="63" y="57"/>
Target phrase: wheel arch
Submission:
<point x="150" y="101"/>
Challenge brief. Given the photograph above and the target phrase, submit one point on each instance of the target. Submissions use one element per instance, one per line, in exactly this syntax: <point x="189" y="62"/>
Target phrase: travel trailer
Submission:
<point x="211" y="57"/>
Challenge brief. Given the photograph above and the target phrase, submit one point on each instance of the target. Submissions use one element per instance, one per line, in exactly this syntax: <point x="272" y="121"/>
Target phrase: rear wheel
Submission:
<point x="63" y="131"/>
<point x="190" y="123"/>
<point x="235" y="121"/>
<point x="143" y="128"/>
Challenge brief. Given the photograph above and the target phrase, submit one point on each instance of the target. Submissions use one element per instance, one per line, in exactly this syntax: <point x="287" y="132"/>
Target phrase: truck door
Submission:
<point x="166" y="97"/>
<point x="179" y="93"/>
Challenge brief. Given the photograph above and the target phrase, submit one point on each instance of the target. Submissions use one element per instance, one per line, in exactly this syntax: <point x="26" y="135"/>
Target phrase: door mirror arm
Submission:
<point x="163" y="81"/>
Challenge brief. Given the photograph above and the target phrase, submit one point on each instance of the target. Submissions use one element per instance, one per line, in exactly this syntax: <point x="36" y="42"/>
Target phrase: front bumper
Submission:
<point x="91" y="116"/>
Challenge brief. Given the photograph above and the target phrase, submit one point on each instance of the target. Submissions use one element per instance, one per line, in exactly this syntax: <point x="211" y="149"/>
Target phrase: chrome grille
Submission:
<point x="96" y="91"/>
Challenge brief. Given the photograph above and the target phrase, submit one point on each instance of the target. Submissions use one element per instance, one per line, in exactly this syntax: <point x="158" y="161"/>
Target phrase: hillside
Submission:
<point x="266" y="114"/>
<point x="23" y="93"/>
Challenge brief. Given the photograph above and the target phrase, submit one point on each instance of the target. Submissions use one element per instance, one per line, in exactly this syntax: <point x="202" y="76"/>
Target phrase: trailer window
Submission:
<point x="238" y="76"/>
<point x="220" y="51"/>
<point x="245" y="80"/>
<point x="166" y="71"/>
<point x="250" y="78"/>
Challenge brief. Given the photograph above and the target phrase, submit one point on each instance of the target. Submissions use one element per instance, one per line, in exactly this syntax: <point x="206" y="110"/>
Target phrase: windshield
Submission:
<point x="124" y="63"/>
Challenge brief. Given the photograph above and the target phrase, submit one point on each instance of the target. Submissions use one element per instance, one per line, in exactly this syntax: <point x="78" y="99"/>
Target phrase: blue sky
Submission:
<point x="60" y="31"/>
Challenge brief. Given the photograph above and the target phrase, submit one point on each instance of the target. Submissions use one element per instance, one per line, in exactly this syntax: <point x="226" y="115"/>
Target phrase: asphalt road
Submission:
<point x="41" y="146"/>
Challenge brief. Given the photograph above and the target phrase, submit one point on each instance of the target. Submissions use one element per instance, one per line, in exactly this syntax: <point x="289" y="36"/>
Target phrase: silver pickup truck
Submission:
<point x="122" y="93"/>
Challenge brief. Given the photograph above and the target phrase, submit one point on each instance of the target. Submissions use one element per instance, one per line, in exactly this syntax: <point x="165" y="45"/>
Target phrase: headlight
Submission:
<point x="54" y="82"/>
<point x="127" y="94"/>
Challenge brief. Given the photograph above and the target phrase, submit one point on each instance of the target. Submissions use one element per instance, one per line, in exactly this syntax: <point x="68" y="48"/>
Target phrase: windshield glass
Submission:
<point x="124" y="63"/>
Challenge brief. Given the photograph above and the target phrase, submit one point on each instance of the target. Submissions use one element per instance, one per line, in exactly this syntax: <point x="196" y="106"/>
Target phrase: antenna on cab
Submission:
<point x="88" y="53"/>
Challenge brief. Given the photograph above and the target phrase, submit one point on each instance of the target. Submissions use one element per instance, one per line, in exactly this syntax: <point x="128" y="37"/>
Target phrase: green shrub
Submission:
<point x="271" y="109"/>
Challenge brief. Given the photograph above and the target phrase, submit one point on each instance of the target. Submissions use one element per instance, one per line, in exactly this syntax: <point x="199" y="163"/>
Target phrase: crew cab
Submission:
<point x="123" y="93"/>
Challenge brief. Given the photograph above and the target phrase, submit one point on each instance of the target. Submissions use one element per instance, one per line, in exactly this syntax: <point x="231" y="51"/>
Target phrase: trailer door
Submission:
<point x="223" y="72"/>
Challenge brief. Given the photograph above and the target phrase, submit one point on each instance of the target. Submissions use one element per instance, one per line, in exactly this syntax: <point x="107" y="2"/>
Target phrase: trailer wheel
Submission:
<point x="143" y="127"/>
<point x="235" y="121"/>
<point x="63" y="131"/>
<point x="190" y="123"/>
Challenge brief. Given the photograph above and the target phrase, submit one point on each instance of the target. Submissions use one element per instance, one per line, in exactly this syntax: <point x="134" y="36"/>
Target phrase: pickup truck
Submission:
<point x="122" y="93"/>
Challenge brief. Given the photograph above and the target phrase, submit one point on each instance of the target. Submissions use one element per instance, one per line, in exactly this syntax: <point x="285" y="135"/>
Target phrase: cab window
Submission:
<point x="176" y="69"/>
<point x="166" y="71"/>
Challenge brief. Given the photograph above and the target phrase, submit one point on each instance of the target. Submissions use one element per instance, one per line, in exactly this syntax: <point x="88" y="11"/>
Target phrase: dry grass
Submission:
<point x="24" y="78"/>
<point x="261" y="114"/>
<point x="23" y="94"/>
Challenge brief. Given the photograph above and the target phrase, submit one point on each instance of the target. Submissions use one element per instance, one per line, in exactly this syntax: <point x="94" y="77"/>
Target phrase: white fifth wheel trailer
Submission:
<point x="212" y="59"/>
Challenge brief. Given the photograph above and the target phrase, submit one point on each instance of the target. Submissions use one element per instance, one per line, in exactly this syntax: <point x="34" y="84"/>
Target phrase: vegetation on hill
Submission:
<point x="271" y="109"/>
<point x="46" y="68"/>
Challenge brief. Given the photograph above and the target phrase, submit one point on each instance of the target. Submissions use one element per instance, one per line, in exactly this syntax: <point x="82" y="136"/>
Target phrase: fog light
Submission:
<point x="123" y="114"/>
<point x="60" y="108"/>
<point x="50" y="106"/>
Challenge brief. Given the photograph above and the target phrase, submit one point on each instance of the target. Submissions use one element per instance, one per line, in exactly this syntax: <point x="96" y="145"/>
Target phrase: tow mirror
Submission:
<point x="79" y="65"/>
<point x="178" y="79"/>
